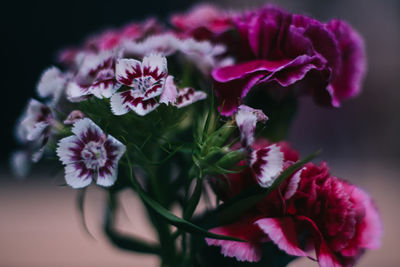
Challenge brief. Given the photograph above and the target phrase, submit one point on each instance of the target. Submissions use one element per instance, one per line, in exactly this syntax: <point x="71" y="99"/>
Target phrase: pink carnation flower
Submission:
<point x="336" y="219"/>
<point x="327" y="60"/>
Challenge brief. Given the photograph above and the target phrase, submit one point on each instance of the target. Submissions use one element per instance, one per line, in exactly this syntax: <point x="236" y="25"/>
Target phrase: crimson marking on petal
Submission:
<point x="154" y="91"/>
<point x="185" y="95"/>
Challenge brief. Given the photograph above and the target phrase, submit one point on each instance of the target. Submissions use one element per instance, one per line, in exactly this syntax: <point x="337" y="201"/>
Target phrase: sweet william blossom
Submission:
<point x="146" y="80"/>
<point x="90" y="154"/>
<point x="325" y="60"/>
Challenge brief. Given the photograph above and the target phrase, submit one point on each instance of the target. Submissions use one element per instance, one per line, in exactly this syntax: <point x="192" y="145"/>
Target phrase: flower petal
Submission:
<point x="155" y="65"/>
<point x="107" y="175"/>
<point x="127" y="70"/>
<point x="69" y="149"/>
<point x="187" y="96"/>
<point x="104" y="88"/>
<point x="77" y="175"/>
<point x="122" y="102"/>
<point x="51" y="83"/>
<point x="246" y="119"/>
<point x="282" y="232"/>
<point x="119" y="104"/>
<point x="347" y="82"/>
<point x="293" y="184"/>
<point x="242" y="251"/>
<point x="267" y="164"/>
<point x="86" y="130"/>
<point x="170" y="92"/>
<point x="76" y="92"/>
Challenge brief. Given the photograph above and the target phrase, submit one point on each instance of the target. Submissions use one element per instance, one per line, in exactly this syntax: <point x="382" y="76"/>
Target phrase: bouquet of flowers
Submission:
<point x="199" y="110"/>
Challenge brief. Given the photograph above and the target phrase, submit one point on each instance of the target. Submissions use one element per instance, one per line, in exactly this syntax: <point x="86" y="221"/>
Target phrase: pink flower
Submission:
<point x="327" y="60"/>
<point x="90" y="154"/>
<point x="337" y="219"/>
<point x="202" y="22"/>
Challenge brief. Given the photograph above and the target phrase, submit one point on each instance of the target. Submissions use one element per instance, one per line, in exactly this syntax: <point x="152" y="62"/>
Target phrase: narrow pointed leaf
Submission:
<point x="170" y="217"/>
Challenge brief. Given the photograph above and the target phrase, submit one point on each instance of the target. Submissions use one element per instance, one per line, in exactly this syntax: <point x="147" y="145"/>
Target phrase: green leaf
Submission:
<point x="194" y="200"/>
<point x="126" y="242"/>
<point x="170" y="217"/>
<point x="80" y="203"/>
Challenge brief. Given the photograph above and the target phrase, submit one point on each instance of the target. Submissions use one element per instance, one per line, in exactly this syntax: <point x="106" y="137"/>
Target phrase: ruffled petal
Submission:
<point x="69" y="149"/>
<point x="246" y="119"/>
<point x="127" y="71"/>
<point x="155" y="66"/>
<point x="266" y="164"/>
<point x="243" y="251"/>
<point x="107" y="174"/>
<point x="187" y="96"/>
<point x="347" y="82"/>
<point x="104" y="88"/>
<point x="86" y="130"/>
<point x="77" y="175"/>
<point x="170" y="92"/>
<point x="51" y="83"/>
<point x="282" y="232"/>
<point x="119" y="104"/>
<point x="325" y="256"/>
<point x="122" y="102"/>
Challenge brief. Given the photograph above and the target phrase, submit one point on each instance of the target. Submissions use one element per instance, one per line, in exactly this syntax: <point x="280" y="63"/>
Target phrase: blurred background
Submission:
<point x="39" y="225"/>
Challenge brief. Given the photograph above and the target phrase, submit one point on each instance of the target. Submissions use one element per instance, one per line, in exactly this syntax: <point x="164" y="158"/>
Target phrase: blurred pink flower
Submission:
<point x="202" y="22"/>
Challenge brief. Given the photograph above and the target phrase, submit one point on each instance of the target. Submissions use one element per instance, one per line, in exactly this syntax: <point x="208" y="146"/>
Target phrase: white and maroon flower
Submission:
<point x="96" y="76"/>
<point x="266" y="164"/>
<point x="246" y="119"/>
<point x="146" y="80"/>
<point x="34" y="128"/>
<point x="52" y="84"/>
<point x="89" y="155"/>
<point x="180" y="97"/>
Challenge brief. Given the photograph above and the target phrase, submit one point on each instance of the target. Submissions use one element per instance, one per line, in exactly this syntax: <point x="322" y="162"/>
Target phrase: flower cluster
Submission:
<point x="145" y="93"/>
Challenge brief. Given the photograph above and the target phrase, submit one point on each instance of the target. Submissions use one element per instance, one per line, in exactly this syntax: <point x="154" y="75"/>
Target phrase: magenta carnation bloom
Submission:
<point x="326" y="60"/>
<point x="336" y="219"/>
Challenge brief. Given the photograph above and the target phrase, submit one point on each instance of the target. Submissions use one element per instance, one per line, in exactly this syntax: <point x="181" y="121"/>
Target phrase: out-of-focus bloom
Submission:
<point x="114" y="38"/>
<point x="147" y="81"/>
<point x="326" y="60"/>
<point x="246" y="120"/>
<point x="96" y="76"/>
<point x="203" y="54"/>
<point x="34" y="127"/>
<point x="203" y="22"/>
<point x="52" y="84"/>
<point x="90" y="154"/>
<point x="73" y="117"/>
<point x="182" y="97"/>
<point x="337" y="219"/>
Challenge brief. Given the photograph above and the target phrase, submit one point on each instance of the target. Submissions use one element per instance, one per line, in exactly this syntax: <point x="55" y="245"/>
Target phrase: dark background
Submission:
<point x="39" y="224"/>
